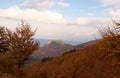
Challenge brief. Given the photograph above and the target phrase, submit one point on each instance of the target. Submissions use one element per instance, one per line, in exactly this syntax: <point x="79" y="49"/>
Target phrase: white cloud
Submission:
<point x="63" y="4"/>
<point x="43" y="4"/>
<point x="90" y="14"/>
<point x="31" y="14"/>
<point x="88" y="21"/>
<point x="115" y="3"/>
<point x="114" y="13"/>
<point x="38" y="4"/>
<point x="50" y="17"/>
<point x="114" y="10"/>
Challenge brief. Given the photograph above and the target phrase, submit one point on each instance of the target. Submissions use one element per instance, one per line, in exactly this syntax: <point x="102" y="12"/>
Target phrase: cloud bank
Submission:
<point x="49" y="17"/>
<point x="43" y="4"/>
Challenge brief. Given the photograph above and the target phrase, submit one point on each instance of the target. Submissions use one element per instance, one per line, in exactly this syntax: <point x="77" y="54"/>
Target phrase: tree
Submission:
<point x="21" y="43"/>
<point x="110" y="46"/>
<point x="3" y="42"/>
<point x="111" y="40"/>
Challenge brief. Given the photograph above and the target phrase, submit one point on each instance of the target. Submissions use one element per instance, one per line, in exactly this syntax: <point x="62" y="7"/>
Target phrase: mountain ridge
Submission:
<point x="54" y="48"/>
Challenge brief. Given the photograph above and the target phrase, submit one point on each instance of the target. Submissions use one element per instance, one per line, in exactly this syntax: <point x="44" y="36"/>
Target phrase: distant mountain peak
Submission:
<point x="55" y="48"/>
<point x="55" y="42"/>
<point x="49" y="42"/>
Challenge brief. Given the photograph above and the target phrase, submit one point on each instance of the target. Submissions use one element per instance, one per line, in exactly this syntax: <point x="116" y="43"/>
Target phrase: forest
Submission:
<point x="99" y="60"/>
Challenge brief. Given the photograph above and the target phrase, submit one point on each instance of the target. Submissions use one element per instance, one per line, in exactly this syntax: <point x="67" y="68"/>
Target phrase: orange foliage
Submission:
<point x="21" y="43"/>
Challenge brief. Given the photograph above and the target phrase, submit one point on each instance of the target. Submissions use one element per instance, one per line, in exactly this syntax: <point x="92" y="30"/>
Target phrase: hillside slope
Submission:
<point x="86" y="44"/>
<point x="88" y="62"/>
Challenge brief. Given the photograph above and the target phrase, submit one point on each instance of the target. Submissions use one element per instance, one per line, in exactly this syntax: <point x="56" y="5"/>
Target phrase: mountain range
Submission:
<point x="45" y="41"/>
<point x="54" y="48"/>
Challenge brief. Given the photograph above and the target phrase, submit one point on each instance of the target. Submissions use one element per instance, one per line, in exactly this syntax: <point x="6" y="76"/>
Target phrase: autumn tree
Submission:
<point x="110" y="47"/>
<point x="3" y="42"/>
<point x="111" y="40"/>
<point x="21" y="43"/>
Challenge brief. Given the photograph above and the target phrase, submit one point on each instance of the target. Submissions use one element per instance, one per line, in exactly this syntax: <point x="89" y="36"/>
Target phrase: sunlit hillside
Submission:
<point x="88" y="62"/>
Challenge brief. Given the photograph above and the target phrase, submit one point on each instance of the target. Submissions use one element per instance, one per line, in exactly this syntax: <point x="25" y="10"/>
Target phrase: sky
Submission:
<point x="77" y="20"/>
